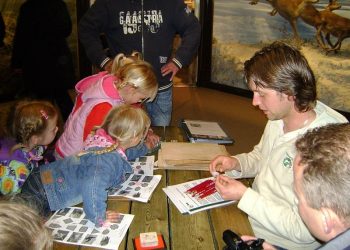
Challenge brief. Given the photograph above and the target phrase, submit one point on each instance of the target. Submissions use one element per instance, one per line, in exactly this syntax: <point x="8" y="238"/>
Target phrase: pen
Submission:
<point x="206" y="189"/>
<point x="207" y="192"/>
<point x="203" y="189"/>
<point x="199" y="187"/>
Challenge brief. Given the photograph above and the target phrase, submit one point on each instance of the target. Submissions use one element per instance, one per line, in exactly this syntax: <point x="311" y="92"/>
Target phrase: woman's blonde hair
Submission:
<point x="132" y="70"/>
<point x="30" y="118"/>
<point x="22" y="228"/>
<point x="126" y="122"/>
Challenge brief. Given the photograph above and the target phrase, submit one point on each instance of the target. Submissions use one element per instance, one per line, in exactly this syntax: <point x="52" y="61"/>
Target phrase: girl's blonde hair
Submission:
<point x="126" y="122"/>
<point x="22" y="228"/>
<point x="30" y="118"/>
<point x="132" y="70"/>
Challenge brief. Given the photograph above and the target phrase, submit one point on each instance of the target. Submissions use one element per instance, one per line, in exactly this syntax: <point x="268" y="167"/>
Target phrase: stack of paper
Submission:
<point x="70" y="226"/>
<point x="188" y="156"/>
<point x="188" y="204"/>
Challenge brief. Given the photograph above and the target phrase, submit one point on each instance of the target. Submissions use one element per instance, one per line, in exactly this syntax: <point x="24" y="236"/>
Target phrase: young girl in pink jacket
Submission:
<point x="132" y="81"/>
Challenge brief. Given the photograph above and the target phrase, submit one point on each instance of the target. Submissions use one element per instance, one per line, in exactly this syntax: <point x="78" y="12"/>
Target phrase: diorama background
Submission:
<point x="240" y="29"/>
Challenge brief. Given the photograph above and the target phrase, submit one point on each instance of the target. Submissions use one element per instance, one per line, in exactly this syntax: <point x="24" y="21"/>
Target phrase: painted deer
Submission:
<point x="335" y="25"/>
<point x="289" y="9"/>
<point x="317" y="19"/>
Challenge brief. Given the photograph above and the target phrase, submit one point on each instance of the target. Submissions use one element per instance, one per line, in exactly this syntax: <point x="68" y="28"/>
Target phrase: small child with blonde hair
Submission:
<point x="21" y="227"/>
<point x="132" y="81"/>
<point x="33" y="127"/>
<point x="86" y="177"/>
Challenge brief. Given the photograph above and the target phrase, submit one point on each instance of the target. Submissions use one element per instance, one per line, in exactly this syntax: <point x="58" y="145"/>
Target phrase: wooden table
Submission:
<point x="202" y="230"/>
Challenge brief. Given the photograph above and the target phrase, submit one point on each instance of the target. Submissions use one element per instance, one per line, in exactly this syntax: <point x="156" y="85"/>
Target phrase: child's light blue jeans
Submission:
<point x="160" y="109"/>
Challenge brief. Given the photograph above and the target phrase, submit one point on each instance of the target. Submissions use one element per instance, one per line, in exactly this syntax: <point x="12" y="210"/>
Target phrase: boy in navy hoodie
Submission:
<point x="148" y="27"/>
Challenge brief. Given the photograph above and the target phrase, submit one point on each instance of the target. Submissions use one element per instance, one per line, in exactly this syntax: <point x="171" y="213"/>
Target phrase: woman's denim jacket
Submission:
<point x="86" y="179"/>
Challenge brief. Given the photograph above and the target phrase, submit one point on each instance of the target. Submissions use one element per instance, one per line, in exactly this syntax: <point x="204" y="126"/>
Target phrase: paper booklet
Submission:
<point x="136" y="187"/>
<point x="188" y="156"/>
<point x="143" y="165"/>
<point x="188" y="204"/>
<point x="70" y="226"/>
<point x="205" y="131"/>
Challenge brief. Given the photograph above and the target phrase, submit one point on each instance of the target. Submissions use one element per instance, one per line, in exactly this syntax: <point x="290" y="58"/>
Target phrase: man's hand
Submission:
<point x="228" y="188"/>
<point x="223" y="163"/>
<point x="266" y="246"/>
<point x="170" y="67"/>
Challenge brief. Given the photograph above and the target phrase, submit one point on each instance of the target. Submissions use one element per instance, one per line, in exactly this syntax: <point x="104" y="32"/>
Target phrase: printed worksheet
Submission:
<point x="143" y="165"/>
<point x="188" y="203"/>
<point x="70" y="226"/>
<point x="136" y="187"/>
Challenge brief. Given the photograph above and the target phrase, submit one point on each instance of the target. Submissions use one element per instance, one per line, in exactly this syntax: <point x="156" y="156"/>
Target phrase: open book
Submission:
<point x="70" y="226"/>
<point x="188" y="156"/>
<point x="205" y="131"/>
<point x="186" y="203"/>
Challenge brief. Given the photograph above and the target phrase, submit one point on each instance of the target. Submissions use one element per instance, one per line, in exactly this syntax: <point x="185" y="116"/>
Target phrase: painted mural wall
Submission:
<point x="240" y="29"/>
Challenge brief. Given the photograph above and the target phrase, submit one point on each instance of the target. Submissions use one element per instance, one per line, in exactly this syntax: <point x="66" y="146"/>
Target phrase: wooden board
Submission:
<point x="202" y="230"/>
<point x="188" y="156"/>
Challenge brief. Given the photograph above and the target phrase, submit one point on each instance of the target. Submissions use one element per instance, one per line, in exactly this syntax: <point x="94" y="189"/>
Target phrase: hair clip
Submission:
<point x="120" y="85"/>
<point x="137" y="82"/>
<point x="43" y="114"/>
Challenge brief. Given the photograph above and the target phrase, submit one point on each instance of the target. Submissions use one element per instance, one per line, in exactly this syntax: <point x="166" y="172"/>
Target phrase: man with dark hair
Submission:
<point x="322" y="183"/>
<point x="284" y="88"/>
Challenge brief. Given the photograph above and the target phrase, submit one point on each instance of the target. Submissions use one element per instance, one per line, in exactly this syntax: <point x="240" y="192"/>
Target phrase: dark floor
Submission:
<point x="235" y="114"/>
